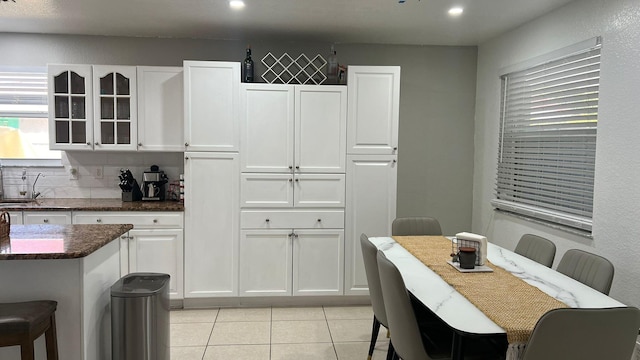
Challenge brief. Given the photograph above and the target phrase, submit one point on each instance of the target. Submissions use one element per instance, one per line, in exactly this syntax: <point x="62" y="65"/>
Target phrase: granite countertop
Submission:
<point x="93" y="205"/>
<point x="33" y="242"/>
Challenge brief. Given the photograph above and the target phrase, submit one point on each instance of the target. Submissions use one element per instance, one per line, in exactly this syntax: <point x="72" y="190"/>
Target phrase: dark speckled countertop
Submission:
<point x="31" y="242"/>
<point x="93" y="205"/>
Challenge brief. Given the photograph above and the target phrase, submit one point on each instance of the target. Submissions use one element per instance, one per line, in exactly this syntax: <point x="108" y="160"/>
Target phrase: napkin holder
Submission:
<point x="479" y="242"/>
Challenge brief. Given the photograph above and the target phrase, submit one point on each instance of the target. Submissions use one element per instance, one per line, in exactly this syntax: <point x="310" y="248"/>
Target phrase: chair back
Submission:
<point x="403" y="325"/>
<point x="537" y="248"/>
<point x="369" y="253"/>
<point x="590" y="269"/>
<point x="584" y="334"/>
<point x="407" y="226"/>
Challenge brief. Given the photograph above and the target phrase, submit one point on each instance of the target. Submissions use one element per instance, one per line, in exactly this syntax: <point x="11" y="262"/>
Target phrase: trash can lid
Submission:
<point x="139" y="284"/>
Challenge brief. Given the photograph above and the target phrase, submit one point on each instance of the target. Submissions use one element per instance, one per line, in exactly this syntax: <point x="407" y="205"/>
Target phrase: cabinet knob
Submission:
<point x="46" y="220"/>
<point x="290" y="180"/>
<point x="99" y="220"/>
<point x="267" y="220"/>
<point x="186" y="144"/>
<point x="186" y="158"/>
<point x="297" y="167"/>
<point x="395" y="161"/>
<point x="88" y="143"/>
<point x="139" y="144"/>
<point x="297" y="180"/>
<point x="395" y="148"/>
<point x="290" y="167"/>
<point x="155" y="221"/>
<point x="319" y="220"/>
<point x="124" y="237"/>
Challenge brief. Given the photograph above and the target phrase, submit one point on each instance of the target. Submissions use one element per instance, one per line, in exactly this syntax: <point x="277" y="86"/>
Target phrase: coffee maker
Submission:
<point x="153" y="184"/>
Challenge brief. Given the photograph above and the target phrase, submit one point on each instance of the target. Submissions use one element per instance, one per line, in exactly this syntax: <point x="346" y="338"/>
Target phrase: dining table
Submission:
<point x="465" y="318"/>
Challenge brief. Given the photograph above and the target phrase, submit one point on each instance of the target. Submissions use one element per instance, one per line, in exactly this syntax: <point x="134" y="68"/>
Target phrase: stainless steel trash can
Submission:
<point x="140" y="317"/>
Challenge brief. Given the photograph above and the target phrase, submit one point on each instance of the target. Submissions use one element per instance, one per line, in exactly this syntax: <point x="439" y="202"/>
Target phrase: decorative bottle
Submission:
<point x="247" y="67"/>
<point x="332" y="67"/>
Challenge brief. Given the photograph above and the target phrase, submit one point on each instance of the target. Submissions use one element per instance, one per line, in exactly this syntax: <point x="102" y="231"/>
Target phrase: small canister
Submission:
<point x="467" y="256"/>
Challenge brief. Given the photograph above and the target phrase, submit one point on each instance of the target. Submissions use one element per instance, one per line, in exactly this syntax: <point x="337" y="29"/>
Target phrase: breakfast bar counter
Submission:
<point x="74" y="265"/>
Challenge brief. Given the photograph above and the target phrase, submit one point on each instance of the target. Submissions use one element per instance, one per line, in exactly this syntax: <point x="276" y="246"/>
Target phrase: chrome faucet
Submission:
<point x="34" y="194"/>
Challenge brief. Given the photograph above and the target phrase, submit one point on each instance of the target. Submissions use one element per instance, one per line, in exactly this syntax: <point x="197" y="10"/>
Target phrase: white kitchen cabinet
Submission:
<point x="374" y="109"/>
<point x="282" y="262"/>
<point x="47" y="217"/>
<point x="370" y="209"/>
<point x="115" y="109"/>
<point x="212" y="182"/>
<point x="16" y="217"/>
<point x="292" y="190"/>
<point x="160" y="108"/>
<point x="293" y="128"/>
<point x="70" y="95"/>
<point x="155" y="244"/>
<point x="211" y="105"/>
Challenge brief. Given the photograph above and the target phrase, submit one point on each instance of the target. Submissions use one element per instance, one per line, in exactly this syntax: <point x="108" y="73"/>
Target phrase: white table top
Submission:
<point x="462" y="315"/>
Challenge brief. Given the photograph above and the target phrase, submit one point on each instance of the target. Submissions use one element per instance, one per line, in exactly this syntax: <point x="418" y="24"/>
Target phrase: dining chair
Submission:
<point x="590" y="269"/>
<point x="536" y="248"/>
<point x="403" y="325"/>
<point x="406" y="226"/>
<point x="369" y="252"/>
<point x="584" y="334"/>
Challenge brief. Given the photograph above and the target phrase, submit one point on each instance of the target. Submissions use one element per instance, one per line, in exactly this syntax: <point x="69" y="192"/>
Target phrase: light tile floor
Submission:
<point x="313" y="333"/>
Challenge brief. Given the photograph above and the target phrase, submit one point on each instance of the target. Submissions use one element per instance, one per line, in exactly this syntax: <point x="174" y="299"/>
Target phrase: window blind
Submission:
<point x="547" y="141"/>
<point x="23" y="93"/>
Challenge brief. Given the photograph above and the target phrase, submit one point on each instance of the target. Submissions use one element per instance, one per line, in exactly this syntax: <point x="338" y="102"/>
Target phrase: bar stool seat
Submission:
<point x="22" y="323"/>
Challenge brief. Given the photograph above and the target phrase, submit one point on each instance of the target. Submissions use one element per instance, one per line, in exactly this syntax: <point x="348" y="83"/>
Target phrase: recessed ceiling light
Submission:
<point x="456" y="11"/>
<point x="236" y="4"/>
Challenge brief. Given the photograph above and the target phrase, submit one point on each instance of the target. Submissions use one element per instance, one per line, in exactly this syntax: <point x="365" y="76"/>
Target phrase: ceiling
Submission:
<point x="416" y="22"/>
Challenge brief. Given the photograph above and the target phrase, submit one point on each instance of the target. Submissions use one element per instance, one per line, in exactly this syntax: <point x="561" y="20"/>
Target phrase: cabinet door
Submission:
<point x="16" y="217"/>
<point x="267" y="119"/>
<point x="158" y="250"/>
<point x="370" y="209"/>
<point x="160" y="108"/>
<point x="115" y="109"/>
<point x="265" y="263"/>
<point x="319" y="190"/>
<point x="47" y="217"/>
<point x="211" y="105"/>
<point x="70" y="107"/>
<point x="211" y="224"/>
<point x="266" y="190"/>
<point x="318" y="262"/>
<point x="320" y="128"/>
<point x="374" y="109"/>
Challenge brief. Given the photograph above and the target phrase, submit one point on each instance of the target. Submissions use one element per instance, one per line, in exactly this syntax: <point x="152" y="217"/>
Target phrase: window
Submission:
<point x="24" y="126"/>
<point x="547" y="140"/>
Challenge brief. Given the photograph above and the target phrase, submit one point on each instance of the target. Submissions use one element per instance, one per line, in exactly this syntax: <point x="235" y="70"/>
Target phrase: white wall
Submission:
<point x="616" y="226"/>
<point x="436" y="109"/>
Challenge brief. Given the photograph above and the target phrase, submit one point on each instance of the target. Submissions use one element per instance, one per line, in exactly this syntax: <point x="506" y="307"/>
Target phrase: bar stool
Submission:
<point x="22" y="323"/>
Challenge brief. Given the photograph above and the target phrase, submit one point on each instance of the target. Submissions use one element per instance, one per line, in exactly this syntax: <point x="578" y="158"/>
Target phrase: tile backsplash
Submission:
<point x="97" y="174"/>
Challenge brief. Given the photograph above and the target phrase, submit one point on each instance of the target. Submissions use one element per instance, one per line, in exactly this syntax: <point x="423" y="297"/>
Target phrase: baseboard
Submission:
<point x="200" y="303"/>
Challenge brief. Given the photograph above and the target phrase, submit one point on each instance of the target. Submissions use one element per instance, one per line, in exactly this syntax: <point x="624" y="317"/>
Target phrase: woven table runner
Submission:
<point x="508" y="301"/>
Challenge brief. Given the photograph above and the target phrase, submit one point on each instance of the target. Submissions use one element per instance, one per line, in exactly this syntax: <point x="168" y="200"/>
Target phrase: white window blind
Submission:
<point x="23" y="92"/>
<point x="547" y="142"/>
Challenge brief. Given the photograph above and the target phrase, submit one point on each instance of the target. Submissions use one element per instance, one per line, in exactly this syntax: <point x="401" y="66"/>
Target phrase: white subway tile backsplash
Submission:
<point x="55" y="182"/>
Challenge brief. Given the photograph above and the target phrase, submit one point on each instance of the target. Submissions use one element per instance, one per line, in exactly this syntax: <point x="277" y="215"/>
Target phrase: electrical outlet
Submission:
<point x="98" y="172"/>
<point x="73" y="173"/>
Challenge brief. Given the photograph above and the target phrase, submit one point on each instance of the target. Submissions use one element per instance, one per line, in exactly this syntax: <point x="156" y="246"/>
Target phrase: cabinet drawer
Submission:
<point x="42" y="217"/>
<point x="160" y="219"/>
<point x="294" y="219"/>
<point x="292" y="190"/>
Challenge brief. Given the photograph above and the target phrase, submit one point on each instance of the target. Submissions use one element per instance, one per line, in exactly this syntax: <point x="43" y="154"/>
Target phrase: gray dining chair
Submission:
<point x="537" y="248"/>
<point x="407" y="226"/>
<point x="584" y="334"/>
<point x="590" y="269"/>
<point x="369" y="252"/>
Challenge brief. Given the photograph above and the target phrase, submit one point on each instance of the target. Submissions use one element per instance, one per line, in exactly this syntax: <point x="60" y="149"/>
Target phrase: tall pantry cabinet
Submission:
<point x="372" y="148"/>
<point x="212" y="171"/>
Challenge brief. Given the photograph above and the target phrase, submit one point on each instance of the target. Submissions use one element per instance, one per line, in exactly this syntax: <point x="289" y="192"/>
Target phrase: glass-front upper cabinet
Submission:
<point x="115" y="111"/>
<point x="70" y="107"/>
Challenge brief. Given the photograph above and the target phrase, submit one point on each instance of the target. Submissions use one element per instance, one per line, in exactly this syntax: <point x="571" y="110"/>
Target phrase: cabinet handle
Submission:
<point x="99" y="220"/>
<point x="297" y="167"/>
<point x="290" y="167"/>
<point x="45" y="220"/>
<point x="88" y="143"/>
<point x="186" y="144"/>
<point x="319" y="220"/>
<point x="124" y="237"/>
<point x="395" y="161"/>
<point x="97" y="143"/>
<point x="155" y="221"/>
<point x="290" y="180"/>
<point x="267" y="220"/>
<point x="395" y="148"/>
<point x="139" y="144"/>
<point x="186" y="158"/>
<point x="297" y="180"/>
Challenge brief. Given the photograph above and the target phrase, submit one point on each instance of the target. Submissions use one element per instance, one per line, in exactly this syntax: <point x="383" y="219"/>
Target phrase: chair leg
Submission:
<point x="51" y="340"/>
<point x="391" y="352"/>
<point x="374" y="336"/>
<point x="26" y="350"/>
